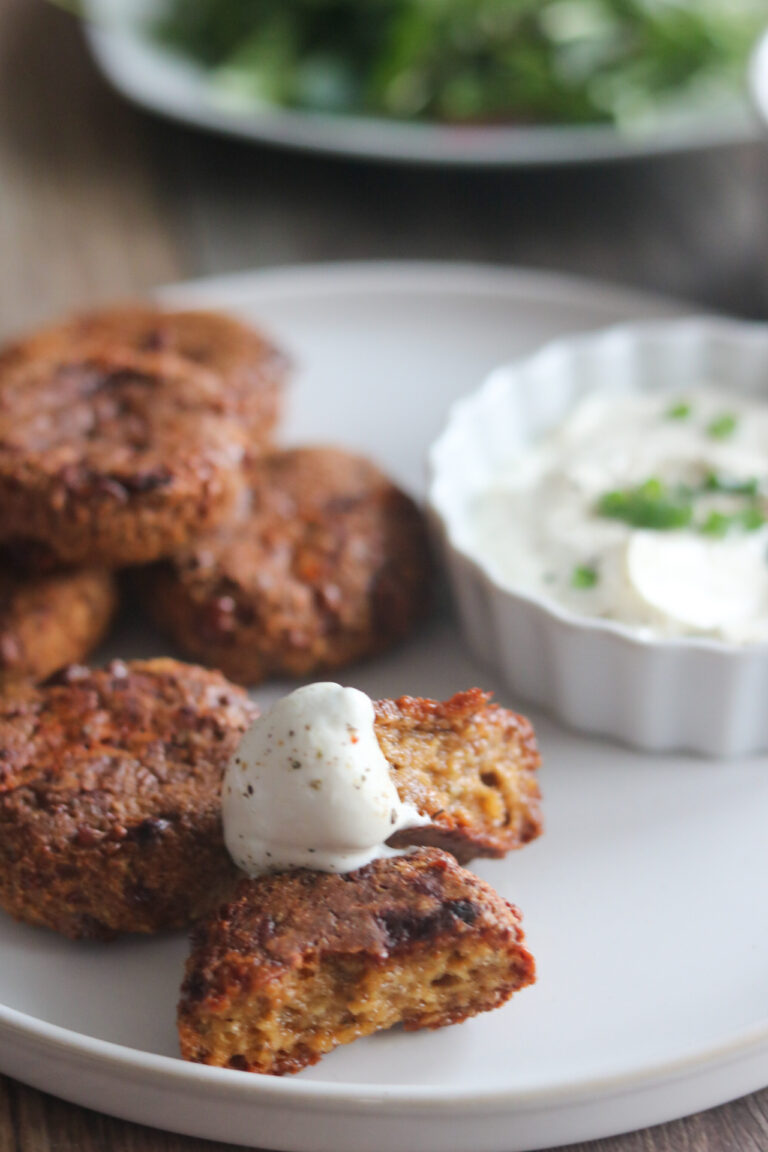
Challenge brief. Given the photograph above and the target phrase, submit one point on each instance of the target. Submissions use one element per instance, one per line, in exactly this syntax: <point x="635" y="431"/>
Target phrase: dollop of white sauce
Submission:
<point x="538" y="522"/>
<point x="309" y="787"/>
<point x="704" y="585"/>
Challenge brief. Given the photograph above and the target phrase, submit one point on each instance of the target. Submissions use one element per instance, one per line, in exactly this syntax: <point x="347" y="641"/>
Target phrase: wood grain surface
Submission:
<point x="98" y="200"/>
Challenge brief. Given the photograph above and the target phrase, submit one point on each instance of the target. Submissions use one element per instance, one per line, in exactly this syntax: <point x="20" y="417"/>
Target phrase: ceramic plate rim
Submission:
<point x="413" y="277"/>
<point x="366" y="1095"/>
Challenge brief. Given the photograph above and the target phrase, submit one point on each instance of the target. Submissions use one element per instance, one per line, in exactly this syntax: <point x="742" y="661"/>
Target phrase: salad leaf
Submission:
<point x="466" y="61"/>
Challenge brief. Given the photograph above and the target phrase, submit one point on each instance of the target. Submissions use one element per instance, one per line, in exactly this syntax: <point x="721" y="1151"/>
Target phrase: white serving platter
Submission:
<point x="644" y="902"/>
<point x="163" y="82"/>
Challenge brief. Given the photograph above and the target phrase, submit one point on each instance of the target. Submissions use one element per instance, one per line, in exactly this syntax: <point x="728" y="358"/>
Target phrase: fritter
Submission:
<point x="110" y="780"/>
<point x="329" y="565"/>
<point x="110" y="460"/>
<point x="468" y="764"/>
<point x="52" y="620"/>
<point x="301" y="962"/>
<point x="251" y="370"/>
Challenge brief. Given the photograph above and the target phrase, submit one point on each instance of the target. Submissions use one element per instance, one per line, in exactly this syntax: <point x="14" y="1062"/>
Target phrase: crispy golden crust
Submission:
<point x="470" y="765"/>
<point x="49" y="621"/>
<point x="110" y="783"/>
<point x="108" y="459"/>
<point x="109" y="790"/>
<point x="329" y="566"/>
<point x="302" y="962"/>
<point x="251" y="369"/>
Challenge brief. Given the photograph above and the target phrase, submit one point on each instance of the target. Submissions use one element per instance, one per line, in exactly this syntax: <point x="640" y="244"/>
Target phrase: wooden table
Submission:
<point x="98" y="200"/>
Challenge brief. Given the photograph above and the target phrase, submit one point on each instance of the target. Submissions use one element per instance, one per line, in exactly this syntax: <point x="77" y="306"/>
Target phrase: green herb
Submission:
<point x="719" y="524"/>
<point x="751" y="519"/>
<point x="716" y="524"/>
<point x="715" y="483"/>
<point x="584" y="576"/>
<point x="679" y="411"/>
<point x="723" y="426"/>
<point x="515" y="61"/>
<point x="649" y="505"/>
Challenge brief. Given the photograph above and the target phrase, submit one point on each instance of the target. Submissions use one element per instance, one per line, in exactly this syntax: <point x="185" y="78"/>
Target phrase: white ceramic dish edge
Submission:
<point x="603" y="677"/>
<point x="510" y="1120"/>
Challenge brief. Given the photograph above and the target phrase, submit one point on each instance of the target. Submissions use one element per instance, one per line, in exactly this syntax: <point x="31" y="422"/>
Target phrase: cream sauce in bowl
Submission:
<point x="647" y="509"/>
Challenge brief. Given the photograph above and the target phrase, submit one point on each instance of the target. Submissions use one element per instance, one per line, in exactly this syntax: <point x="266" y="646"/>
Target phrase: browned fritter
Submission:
<point x="53" y="620"/>
<point x="110" y="790"/>
<point x="468" y="764"/>
<point x="112" y="460"/>
<point x="330" y="565"/>
<point x="301" y="962"/>
<point x="250" y="368"/>
<point x="110" y="780"/>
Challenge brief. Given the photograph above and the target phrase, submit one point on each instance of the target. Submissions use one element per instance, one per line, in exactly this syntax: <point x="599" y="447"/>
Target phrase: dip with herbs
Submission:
<point x="651" y="510"/>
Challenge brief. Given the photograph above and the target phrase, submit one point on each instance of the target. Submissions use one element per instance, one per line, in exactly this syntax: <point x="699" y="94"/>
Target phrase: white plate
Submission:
<point x="163" y="82"/>
<point x="644" y="901"/>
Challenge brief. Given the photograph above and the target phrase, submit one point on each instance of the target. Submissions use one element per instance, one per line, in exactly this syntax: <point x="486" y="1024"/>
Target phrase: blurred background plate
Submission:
<point x="163" y="82"/>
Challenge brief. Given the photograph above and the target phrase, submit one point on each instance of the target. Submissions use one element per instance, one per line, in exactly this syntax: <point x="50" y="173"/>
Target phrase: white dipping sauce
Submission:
<point x="544" y="524"/>
<point x="309" y="787"/>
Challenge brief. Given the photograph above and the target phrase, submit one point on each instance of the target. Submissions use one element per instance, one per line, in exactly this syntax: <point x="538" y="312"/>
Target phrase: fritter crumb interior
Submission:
<point x="302" y="962"/>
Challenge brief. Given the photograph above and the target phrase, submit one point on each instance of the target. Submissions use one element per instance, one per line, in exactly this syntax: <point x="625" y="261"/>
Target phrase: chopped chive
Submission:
<point x="751" y="519"/>
<point x="584" y="576"/>
<point x="653" y="488"/>
<point x="715" y="483"/>
<point x="720" y="524"/>
<point x="679" y="411"/>
<point x="722" y="426"/>
<point x="649" y="505"/>
<point x="716" y="524"/>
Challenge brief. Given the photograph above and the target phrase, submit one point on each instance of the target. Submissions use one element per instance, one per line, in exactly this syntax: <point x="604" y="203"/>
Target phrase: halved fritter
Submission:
<point x="301" y="962"/>
<point x="468" y="764"/>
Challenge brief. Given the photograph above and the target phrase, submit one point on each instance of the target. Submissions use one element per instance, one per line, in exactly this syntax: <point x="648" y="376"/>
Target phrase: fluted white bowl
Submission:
<point x="597" y="675"/>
